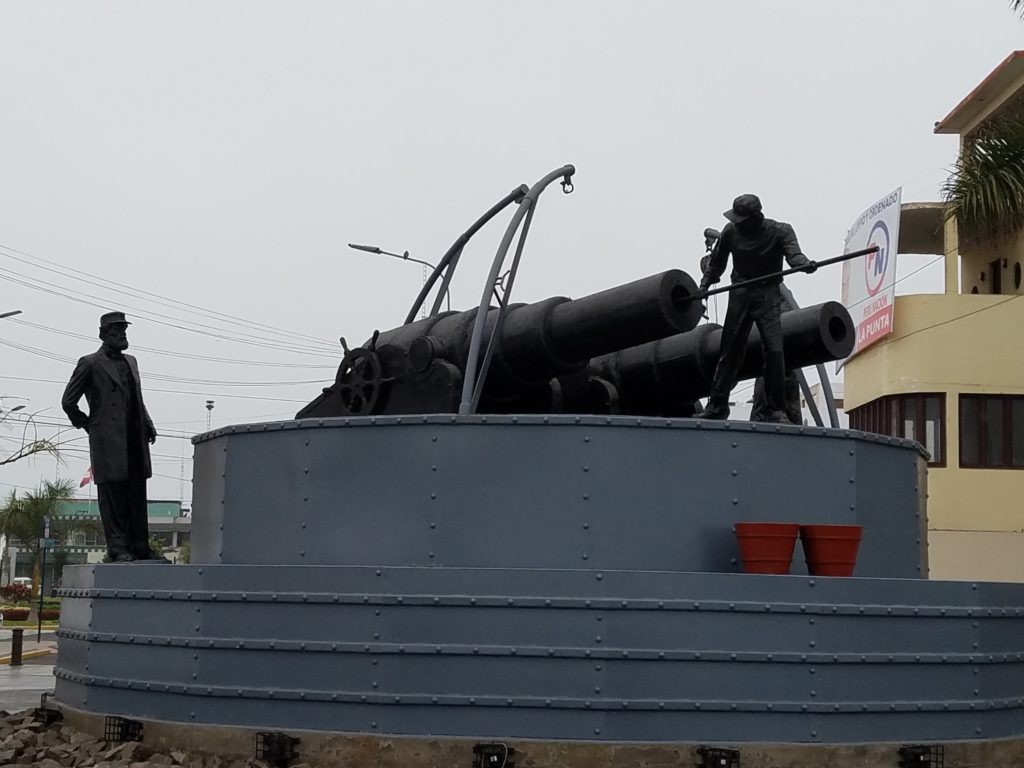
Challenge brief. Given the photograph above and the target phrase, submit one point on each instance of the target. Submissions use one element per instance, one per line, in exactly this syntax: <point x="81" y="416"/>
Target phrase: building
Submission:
<point x="818" y="398"/>
<point x="169" y="523"/>
<point x="951" y="374"/>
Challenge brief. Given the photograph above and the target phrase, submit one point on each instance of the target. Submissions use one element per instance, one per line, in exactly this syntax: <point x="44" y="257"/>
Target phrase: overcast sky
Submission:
<point x="222" y="155"/>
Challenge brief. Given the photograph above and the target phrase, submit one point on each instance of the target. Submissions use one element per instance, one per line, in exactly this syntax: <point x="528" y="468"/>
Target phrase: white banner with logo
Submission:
<point x="869" y="282"/>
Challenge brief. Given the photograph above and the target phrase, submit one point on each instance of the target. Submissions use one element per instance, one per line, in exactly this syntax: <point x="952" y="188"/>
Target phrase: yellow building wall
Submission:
<point x="957" y="344"/>
<point x="976" y="260"/>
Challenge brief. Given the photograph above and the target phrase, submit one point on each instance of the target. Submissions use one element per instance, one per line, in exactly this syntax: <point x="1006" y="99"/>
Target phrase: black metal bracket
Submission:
<point x="117" y="729"/>
<point x="718" y="757"/>
<point x="276" y="748"/>
<point x="493" y="754"/>
<point x="920" y="756"/>
<point x="44" y="714"/>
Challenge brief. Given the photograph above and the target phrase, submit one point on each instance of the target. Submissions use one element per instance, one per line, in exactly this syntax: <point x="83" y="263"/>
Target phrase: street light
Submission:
<point x="12" y="313"/>
<point x="404" y="257"/>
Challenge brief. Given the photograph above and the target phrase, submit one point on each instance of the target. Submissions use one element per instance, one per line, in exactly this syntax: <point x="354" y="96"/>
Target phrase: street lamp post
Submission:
<point x="404" y="257"/>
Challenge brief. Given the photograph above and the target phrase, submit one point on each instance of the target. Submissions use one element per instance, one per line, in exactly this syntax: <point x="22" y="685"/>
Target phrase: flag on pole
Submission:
<point x="86" y="479"/>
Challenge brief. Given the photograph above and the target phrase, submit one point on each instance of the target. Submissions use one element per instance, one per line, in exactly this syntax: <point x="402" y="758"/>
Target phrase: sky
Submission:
<point x="202" y="166"/>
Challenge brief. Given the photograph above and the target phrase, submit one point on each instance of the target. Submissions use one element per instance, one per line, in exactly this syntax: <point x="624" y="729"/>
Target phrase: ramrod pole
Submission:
<point x="785" y="272"/>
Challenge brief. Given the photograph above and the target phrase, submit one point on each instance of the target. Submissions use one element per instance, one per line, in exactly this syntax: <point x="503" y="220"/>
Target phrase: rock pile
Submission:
<point x="26" y="742"/>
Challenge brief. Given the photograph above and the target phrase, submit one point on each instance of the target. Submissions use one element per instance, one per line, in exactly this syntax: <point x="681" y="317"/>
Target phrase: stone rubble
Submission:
<point x="28" y="743"/>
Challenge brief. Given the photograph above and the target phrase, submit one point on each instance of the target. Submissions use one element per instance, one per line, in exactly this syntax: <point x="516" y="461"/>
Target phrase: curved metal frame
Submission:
<point x="472" y="385"/>
<point x="450" y="260"/>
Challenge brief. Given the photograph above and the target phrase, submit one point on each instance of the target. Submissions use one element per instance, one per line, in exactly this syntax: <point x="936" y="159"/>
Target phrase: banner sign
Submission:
<point x="869" y="282"/>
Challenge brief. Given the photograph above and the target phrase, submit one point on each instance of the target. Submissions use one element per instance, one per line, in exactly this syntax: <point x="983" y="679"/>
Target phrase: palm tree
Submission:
<point x="21" y="519"/>
<point x="985" y="191"/>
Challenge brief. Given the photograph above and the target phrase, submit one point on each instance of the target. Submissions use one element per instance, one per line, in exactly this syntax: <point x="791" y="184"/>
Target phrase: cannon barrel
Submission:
<point x="418" y="367"/>
<point x="666" y="376"/>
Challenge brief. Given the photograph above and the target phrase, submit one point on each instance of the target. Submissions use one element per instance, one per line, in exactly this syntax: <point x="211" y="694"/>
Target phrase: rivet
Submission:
<point x="734" y="444"/>
<point x="433" y="468"/>
<point x="586" y="526"/>
<point x="585" y="556"/>
<point x="433" y="495"/>
<point x="586" y="496"/>
<point x="599" y="576"/>
<point x="586" y="439"/>
<point x="586" y="469"/>
<point x="433" y="525"/>
<point x="735" y="472"/>
<point x="735" y="502"/>
<point x="433" y="438"/>
<point x="306" y="470"/>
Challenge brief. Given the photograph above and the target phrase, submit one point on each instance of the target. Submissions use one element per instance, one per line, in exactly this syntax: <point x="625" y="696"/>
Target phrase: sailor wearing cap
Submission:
<point x="120" y="431"/>
<point x="758" y="246"/>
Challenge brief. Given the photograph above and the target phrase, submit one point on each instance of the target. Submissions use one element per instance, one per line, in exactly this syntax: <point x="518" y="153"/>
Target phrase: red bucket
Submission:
<point x="767" y="547"/>
<point x="831" y="550"/>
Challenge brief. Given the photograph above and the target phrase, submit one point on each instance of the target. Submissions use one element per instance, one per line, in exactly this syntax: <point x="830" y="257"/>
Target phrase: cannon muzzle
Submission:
<point x="665" y="377"/>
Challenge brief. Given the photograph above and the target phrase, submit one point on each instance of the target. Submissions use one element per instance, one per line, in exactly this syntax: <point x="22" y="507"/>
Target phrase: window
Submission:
<point x="914" y="417"/>
<point x="992" y="431"/>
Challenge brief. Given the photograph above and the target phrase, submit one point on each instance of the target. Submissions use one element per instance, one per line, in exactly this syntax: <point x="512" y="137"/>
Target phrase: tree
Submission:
<point x="185" y="553"/>
<point x="156" y="546"/>
<point x="21" y="519"/>
<point x="985" y="191"/>
<point x="30" y="442"/>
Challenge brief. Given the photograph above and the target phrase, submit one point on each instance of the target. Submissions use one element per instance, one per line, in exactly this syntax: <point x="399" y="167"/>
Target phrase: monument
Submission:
<point x="522" y="543"/>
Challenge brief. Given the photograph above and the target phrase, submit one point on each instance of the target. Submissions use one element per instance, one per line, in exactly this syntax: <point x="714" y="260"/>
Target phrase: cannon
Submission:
<point x="541" y="350"/>
<point x="665" y="377"/>
<point x="628" y="349"/>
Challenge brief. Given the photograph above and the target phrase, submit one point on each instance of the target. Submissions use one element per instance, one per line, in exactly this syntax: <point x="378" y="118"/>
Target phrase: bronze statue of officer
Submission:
<point x="120" y="431"/>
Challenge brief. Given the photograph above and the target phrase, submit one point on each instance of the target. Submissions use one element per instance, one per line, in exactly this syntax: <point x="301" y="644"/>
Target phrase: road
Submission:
<point x="21" y="687"/>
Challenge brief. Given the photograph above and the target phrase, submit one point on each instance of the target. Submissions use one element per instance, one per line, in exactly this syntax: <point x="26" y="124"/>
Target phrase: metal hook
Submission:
<point x="567" y="186"/>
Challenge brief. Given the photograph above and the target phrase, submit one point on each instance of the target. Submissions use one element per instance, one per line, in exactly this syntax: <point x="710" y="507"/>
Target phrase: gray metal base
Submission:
<point x="587" y="492"/>
<point x="546" y="654"/>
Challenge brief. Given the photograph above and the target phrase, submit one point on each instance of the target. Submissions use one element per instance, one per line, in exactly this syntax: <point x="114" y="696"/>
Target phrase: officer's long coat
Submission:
<point x="96" y="377"/>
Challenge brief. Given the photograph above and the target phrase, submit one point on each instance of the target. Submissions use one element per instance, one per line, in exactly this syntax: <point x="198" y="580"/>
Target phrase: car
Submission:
<point x="22" y="581"/>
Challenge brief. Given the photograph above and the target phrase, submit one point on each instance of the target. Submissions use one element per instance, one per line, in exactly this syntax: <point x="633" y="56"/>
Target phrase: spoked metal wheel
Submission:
<point x="360" y="381"/>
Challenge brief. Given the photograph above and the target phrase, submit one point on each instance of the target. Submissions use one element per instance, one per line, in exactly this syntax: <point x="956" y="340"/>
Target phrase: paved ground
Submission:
<point x="20" y="687"/>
